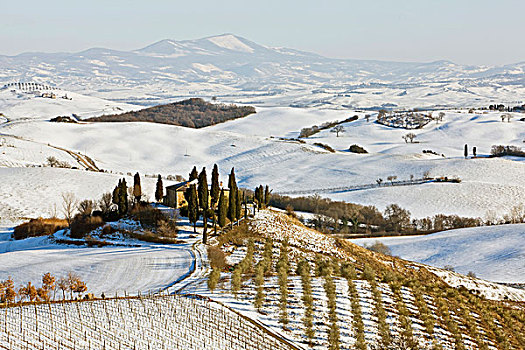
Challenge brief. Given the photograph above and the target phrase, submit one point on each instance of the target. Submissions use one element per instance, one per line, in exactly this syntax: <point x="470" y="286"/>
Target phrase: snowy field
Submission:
<point x="253" y="146"/>
<point x="494" y="253"/>
<point x="107" y="270"/>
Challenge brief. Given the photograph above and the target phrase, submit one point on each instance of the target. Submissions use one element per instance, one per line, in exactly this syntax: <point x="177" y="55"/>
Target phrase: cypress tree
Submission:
<point x="194" y="174"/>
<point x="204" y="202"/>
<point x="256" y="196"/>
<point x="116" y="193"/>
<point x="238" y="206"/>
<point x="215" y="193"/>
<point x="215" y="186"/>
<point x="466" y="151"/>
<point x="159" y="192"/>
<point x="231" y="179"/>
<point x="137" y="189"/>
<point x="266" y="196"/>
<point x="245" y="205"/>
<point x="232" y="198"/>
<point x="222" y="209"/>
<point x="193" y="206"/>
<point x="123" y="198"/>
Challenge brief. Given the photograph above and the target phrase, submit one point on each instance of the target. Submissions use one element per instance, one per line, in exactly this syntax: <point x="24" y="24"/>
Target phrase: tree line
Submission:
<point x="342" y="217"/>
<point x="70" y="283"/>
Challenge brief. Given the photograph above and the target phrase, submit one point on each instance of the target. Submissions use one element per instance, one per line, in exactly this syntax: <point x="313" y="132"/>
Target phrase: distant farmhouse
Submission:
<point x="175" y="194"/>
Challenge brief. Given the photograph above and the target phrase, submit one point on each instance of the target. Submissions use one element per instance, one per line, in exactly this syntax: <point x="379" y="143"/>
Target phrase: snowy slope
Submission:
<point x="237" y="69"/>
<point x="247" y="144"/>
<point x="17" y="104"/>
<point x="495" y="253"/>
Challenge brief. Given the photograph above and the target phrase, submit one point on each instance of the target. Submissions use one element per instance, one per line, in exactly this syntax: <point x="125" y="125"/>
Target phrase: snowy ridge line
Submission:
<point x="359" y="187"/>
<point x="255" y="322"/>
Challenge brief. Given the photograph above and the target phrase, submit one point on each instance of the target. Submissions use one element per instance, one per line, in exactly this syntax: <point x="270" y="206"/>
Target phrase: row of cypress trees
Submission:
<point x="211" y="203"/>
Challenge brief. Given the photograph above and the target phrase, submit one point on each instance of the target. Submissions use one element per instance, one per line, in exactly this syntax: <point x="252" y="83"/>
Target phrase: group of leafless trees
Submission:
<point x="68" y="284"/>
<point x="193" y="113"/>
<point x="55" y="163"/>
<point x="341" y="217"/>
<point x="500" y="151"/>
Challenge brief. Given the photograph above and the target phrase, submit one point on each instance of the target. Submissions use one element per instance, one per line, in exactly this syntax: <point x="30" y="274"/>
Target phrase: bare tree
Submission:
<point x="86" y="207"/>
<point x="379" y="181"/>
<point x="69" y="204"/>
<point x="440" y="117"/>
<point x="392" y="178"/>
<point x="367" y="117"/>
<point x="409" y="137"/>
<point x="338" y="129"/>
<point x="105" y="203"/>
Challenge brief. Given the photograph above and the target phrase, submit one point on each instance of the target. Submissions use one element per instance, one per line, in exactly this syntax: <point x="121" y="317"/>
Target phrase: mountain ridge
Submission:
<point x="238" y="68"/>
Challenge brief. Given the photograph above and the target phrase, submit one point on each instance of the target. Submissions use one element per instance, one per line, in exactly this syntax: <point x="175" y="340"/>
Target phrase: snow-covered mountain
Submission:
<point x="236" y="69"/>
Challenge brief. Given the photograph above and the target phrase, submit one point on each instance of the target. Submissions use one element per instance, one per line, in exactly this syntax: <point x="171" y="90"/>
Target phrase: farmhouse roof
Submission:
<point x="183" y="184"/>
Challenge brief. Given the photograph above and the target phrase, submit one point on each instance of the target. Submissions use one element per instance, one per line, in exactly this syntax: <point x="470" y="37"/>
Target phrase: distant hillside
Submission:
<point x="193" y="113"/>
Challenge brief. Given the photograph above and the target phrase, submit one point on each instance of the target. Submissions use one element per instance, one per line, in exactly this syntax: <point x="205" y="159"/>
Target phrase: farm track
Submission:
<point x="358" y="188"/>
<point x="83" y="160"/>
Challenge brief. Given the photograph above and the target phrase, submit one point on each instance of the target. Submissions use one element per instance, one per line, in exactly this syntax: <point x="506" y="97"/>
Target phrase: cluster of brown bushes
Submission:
<point x="357" y="149"/>
<point x="324" y="146"/>
<point x="39" y="227"/>
<point x="193" y="113"/>
<point x="81" y="225"/>
<point x="307" y="132"/>
<point x="152" y="218"/>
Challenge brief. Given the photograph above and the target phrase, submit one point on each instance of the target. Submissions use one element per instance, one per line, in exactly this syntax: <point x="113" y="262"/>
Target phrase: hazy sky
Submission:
<point x="464" y="31"/>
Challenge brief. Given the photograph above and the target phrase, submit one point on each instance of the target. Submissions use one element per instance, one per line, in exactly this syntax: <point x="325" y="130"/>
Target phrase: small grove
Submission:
<point x="345" y="218"/>
<point x="50" y="285"/>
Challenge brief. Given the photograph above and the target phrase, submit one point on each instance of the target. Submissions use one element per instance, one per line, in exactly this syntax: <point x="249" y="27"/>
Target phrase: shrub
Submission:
<point x="357" y="149"/>
<point x="39" y="227"/>
<point x="290" y="212"/>
<point x="82" y="225"/>
<point x="213" y="279"/>
<point x="217" y="258"/>
<point x="147" y="215"/>
<point x="379" y="247"/>
<point x="107" y="230"/>
<point x="368" y="273"/>
<point x="324" y="146"/>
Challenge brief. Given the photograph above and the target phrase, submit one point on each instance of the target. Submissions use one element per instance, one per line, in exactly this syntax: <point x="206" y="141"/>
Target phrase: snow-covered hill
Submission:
<point x="28" y="103"/>
<point x="236" y="69"/>
<point x="495" y="253"/>
<point x="253" y="146"/>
